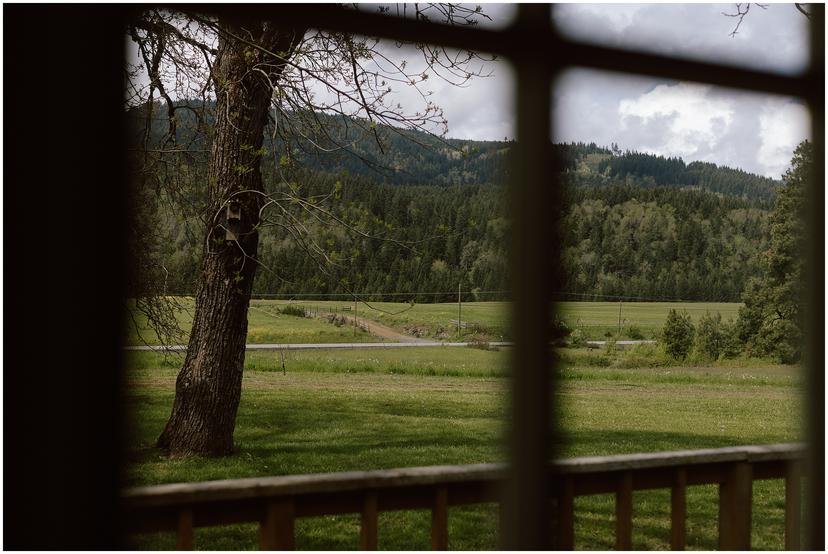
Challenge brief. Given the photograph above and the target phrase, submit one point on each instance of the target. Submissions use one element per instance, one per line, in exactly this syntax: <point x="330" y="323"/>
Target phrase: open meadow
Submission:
<point x="266" y="324"/>
<point x="487" y="321"/>
<point x="371" y="409"/>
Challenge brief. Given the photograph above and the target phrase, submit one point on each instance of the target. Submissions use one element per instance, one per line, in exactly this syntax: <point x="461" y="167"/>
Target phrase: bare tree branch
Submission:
<point x="322" y="75"/>
<point x="802" y="10"/>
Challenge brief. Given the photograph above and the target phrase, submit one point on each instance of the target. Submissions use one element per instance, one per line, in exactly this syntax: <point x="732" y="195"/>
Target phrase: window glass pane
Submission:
<point x="773" y="39"/>
<point x="677" y="198"/>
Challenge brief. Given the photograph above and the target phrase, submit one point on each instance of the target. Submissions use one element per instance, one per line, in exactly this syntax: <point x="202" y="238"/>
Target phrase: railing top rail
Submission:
<point x="239" y="489"/>
<point x="234" y="489"/>
<point x="752" y="453"/>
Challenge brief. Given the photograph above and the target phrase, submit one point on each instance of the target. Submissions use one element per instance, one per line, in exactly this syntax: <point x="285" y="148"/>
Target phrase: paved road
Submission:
<point x="356" y="345"/>
<point x="619" y="342"/>
<point x="325" y="346"/>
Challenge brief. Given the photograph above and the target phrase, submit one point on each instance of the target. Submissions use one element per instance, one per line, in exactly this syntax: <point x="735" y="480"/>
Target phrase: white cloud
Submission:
<point x="754" y="132"/>
<point x="773" y="39"/>
<point x="695" y="120"/>
<point x="783" y="124"/>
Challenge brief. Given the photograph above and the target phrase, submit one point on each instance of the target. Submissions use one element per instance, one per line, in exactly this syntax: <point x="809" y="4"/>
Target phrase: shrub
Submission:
<point x="635" y="333"/>
<point x="293" y="309"/>
<point x="709" y="336"/>
<point x="731" y="345"/>
<point x="577" y="338"/>
<point x="780" y="340"/>
<point x="610" y="347"/>
<point x="337" y="320"/>
<point x="560" y="330"/>
<point x="642" y="355"/>
<point x="677" y="334"/>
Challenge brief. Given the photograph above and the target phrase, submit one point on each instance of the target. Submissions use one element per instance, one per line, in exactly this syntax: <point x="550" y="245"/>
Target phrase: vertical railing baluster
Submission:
<point x="735" y="504"/>
<point x="793" y="505"/>
<point x="184" y="537"/>
<point x="566" y="515"/>
<point x="277" y="527"/>
<point x="678" y="511"/>
<point x="368" y="530"/>
<point x="439" y="520"/>
<point x="623" y="512"/>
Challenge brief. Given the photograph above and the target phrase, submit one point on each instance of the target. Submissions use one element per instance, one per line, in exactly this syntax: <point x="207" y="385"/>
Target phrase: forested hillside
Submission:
<point x="418" y="215"/>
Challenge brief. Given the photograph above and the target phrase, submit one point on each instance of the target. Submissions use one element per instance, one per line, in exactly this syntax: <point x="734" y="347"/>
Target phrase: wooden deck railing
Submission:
<point x="276" y="502"/>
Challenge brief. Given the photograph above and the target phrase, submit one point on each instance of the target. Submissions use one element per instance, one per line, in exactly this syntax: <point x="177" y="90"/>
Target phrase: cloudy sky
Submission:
<point x="697" y="122"/>
<point x="757" y="133"/>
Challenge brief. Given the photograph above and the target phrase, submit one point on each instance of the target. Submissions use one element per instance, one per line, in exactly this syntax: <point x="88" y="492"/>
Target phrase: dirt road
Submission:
<point x="378" y="329"/>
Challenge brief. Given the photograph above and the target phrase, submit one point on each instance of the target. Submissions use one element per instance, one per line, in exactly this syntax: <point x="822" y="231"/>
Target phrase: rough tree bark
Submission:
<point x="208" y="387"/>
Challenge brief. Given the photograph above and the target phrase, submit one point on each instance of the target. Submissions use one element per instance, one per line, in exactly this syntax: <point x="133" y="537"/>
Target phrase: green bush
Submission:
<point x="677" y="334"/>
<point x="577" y="338"/>
<point x="560" y="330"/>
<point x="709" y="336"/>
<point x="781" y="340"/>
<point x="635" y="333"/>
<point x="642" y="355"/>
<point x="293" y="309"/>
<point x="731" y="345"/>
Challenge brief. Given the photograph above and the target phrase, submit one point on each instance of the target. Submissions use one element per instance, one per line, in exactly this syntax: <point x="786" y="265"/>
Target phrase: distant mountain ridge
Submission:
<point x="390" y="155"/>
<point x="634" y="225"/>
<point x="414" y="157"/>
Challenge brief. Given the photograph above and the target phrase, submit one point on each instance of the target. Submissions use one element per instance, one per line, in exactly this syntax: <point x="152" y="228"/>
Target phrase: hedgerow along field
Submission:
<point x="368" y="409"/>
<point x="488" y="321"/>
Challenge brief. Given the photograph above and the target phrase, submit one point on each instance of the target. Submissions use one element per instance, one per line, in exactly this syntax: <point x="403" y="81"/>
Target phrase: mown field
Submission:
<point x="360" y="409"/>
<point x="597" y="319"/>
<point x="488" y="321"/>
<point x="265" y="325"/>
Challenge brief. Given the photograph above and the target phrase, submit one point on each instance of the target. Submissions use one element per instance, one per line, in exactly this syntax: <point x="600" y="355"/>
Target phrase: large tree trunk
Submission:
<point x="208" y="388"/>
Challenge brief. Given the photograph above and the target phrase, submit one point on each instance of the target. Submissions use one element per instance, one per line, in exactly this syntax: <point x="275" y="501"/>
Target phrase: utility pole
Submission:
<point x="619" y="319"/>
<point x="355" y="315"/>
<point x="459" y="311"/>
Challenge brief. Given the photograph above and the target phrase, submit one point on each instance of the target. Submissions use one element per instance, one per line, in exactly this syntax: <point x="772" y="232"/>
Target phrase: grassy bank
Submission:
<point x="338" y="411"/>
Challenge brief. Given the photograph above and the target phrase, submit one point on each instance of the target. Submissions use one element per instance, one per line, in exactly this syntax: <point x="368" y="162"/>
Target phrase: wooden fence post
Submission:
<point x="793" y="503"/>
<point x="184" y="538"/>
<point x="566" y="515"/>
<point x="623" y="513"/>
<point x="368" y="530"/>
<point x="439" y="520"/>
<point x="678" y="511"/>
<point x="276" y="530"/>
<point x="735" y="503"/>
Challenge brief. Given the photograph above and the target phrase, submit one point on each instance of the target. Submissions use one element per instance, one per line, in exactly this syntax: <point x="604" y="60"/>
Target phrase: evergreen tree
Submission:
<point x="677" y="334"/>
<point x="710" y="337"/>
<point x="770" y="323"/>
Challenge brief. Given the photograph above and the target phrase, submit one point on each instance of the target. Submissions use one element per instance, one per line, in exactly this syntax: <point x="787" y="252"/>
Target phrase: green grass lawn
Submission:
<point x="339" y="411"/>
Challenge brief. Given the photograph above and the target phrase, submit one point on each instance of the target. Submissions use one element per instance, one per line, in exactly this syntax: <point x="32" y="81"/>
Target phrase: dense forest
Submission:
<point x="419" y="215"/>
